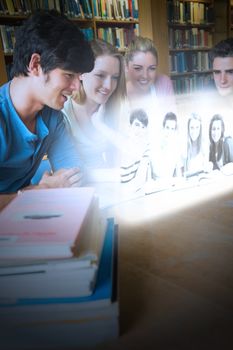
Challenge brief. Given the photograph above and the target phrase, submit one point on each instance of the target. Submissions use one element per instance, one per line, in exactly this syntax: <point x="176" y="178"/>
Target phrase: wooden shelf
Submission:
<point x="112" y="21"/>
<point x="3" y="74"/>
<point x="13" y="17"/>
<point x="78" y="19"/>
<point x="201" y="1"/>
<point x="176" y="75"/>
<point x="189" y="49"/>
<point x="190" y="25"/>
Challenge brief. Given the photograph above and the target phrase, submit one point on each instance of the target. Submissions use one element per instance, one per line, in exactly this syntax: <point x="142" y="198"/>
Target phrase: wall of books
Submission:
<point x="190" y="33"/>
<point x="115" y="21"/>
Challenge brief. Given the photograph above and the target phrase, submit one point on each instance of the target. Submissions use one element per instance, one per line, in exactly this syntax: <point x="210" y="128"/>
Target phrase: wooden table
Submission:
<point x="5" y="199"/>
<point x="176" y="270"/>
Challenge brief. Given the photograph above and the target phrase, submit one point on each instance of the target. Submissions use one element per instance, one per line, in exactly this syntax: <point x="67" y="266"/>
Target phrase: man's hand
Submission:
<point x="61" y="178"/>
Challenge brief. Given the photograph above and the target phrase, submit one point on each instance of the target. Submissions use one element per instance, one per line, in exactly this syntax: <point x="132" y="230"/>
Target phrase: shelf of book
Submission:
<point x="189" y="61"/>
<point x="189" y="82"/>
<point x="190" y="37"/>
<point x="115" y="21"/>
<point x="191" y="49"/>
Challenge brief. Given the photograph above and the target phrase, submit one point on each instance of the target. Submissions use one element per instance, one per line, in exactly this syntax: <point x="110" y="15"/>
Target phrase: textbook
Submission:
<point x="37" y="264"/>
<point x="42" y="284"/>
<point x="57" y="279"/>
<point x="30" y="322"/>
<point x="50" y="224"/>
<point x="103" y="291"/>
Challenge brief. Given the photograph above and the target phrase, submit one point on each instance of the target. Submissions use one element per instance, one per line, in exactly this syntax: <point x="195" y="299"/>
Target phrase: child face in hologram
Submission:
<point x="194" y="129"/>
<point x="138" y="128"/>
<point x="169" y="129"/>
<point x="216" y="130"/>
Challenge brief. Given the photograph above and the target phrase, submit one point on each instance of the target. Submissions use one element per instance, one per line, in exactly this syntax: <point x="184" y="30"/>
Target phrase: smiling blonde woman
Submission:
<point x="96" y="105"/>
<point x="142" y="73"/>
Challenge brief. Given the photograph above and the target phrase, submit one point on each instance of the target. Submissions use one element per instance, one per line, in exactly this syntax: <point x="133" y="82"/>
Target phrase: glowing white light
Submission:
<point x="154" y="206"/>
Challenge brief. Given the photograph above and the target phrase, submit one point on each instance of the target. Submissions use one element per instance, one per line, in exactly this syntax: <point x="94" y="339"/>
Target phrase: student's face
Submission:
<point x="194" y="129"/>
<point x="141" y="70"/>
<point x="216" y="130"/>
<point x="138" y="128"/>
<point x="57" y="85"/>
<point x="169" y="128"/>
<point x="223" y="75"/>
<point x="102" y="81"/>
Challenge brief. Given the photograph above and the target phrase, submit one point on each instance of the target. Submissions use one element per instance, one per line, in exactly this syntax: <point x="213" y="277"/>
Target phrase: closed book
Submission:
<point x="50" y="224"/>
<point x="43" y="284"/>
<point x="103" y="295"/>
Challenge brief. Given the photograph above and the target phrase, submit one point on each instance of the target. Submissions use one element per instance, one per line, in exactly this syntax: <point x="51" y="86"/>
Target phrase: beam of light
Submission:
<point x="138" y="208"/>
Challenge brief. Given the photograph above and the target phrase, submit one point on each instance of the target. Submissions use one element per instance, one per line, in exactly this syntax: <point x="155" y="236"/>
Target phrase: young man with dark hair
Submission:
<point x="49" y="56"/>
<point x="222" y="61"/>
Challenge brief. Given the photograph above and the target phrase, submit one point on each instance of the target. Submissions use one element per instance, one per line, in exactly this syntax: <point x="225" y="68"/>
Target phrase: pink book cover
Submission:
<point x="44" y="223"/>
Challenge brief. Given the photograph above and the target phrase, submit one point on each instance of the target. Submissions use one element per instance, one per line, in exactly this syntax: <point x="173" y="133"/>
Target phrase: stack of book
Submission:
<point x="57" y="271"/>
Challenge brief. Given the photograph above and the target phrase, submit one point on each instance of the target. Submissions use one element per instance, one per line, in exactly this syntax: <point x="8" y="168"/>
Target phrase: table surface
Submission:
<point x="175" y="269"/>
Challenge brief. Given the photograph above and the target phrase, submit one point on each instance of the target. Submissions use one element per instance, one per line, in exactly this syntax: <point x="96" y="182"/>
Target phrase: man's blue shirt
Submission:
<point x="21" y="151"/>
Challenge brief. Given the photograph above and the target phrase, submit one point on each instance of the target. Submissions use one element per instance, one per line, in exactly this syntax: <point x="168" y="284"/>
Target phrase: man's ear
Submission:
<point x="34" y="66"/>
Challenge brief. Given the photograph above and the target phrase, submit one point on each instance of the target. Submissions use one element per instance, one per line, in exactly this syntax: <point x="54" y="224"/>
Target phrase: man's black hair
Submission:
<point x="222" y="49"/>
<point x="58" y="41"/>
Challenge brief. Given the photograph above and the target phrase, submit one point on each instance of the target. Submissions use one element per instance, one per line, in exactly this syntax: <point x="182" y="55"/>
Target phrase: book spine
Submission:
<point x="130" y="9"/>
<point x="96" y="9"/>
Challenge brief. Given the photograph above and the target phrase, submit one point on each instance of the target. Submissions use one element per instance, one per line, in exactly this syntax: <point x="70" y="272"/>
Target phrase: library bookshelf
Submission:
<point x="183" y="38"/>
<point x="115" y="21"/>
<point x="190" y="37"/>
